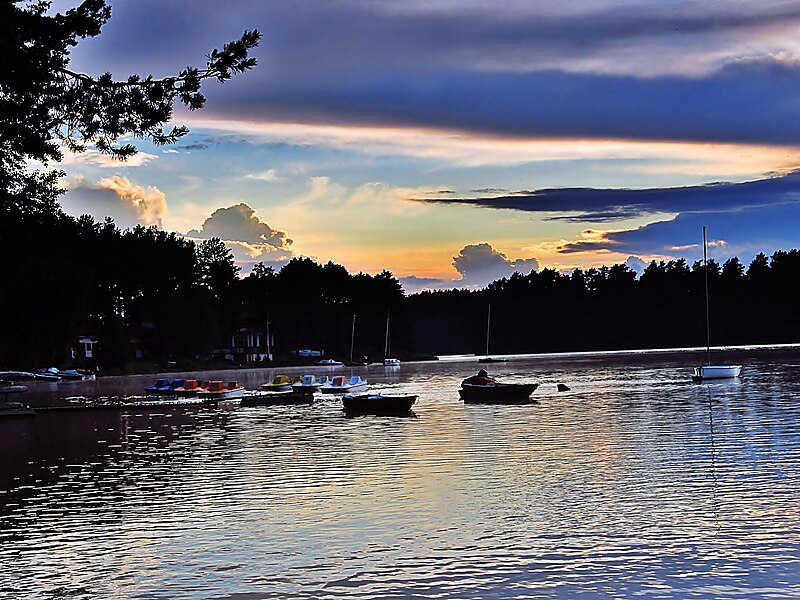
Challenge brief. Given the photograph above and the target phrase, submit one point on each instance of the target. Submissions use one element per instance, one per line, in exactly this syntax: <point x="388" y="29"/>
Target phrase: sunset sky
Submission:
<point x="455" y="142"/>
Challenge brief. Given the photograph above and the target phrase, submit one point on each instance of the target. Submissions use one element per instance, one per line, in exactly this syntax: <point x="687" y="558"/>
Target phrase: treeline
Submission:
<point x="152" y="296"/>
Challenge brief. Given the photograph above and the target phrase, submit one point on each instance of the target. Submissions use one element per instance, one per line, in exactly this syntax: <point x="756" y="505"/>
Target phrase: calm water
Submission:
<point x="631" y="484"/>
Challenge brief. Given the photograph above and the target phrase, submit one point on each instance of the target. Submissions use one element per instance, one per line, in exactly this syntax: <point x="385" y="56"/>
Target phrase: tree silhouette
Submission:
<point x="45" y="106"/>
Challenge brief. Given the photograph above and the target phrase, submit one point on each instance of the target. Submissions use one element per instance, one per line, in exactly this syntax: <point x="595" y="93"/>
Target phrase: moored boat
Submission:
<point x="159" y="387"/>
<point x="498" y="393"/>
<point x="307" y="384"/>
<point x="329" y="362"/>
<point x="219" y="390"/>
<point x="378" y="404"/>
<point x="279" y="383"/>
<point x="343" y="385"/>
<point x="709" y="371"/>
<point x="704" y="372"/>
<point x="50" y="374"/>
<point x="15" y="409"/>
<point x="189" y="388"/>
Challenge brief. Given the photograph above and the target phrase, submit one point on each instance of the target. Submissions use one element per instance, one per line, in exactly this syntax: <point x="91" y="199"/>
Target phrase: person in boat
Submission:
<point x="482" y="378"/>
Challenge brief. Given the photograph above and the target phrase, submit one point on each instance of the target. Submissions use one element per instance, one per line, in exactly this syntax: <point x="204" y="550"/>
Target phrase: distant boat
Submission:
<point x="329" y="362"/>
<point x="279" y="383"/>
<point x="343" y="385"/>
<point x="709" y="371"/>
<point x="378" y="404"/>
<point x="487" y="358"/>
<point x="308" y="384"/>
<point x="388" y="360"/>
<point x="50" y="374"/>
<point x="7" y="387"/>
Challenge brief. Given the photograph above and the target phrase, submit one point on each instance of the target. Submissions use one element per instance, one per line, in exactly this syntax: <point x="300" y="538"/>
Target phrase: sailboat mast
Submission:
<point x="352" y="338"/>
<point x="488" y="325"/>
<point x="386" y="342"/>
<point x="708" y="323"/>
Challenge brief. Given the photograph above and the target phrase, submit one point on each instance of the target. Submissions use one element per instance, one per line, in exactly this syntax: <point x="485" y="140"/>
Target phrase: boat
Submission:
<point x="219" y="390"/>
<point x="498" y="393"/>
<point x="308" y="384"/>
<point x="709" y="371"/>
<point x="343" y="385"/>
<point x="329" y="362"/>
<point x="279" y="383"/>
<point x="8" y="387"/>
<point x="278" y="398"/>
<point x="189" y="388"/>
<point x="378" y="404"/>
<point x="388" y="360"/>
<point x="15" y="409"/>
<point x="159" y="387"/>
<point x="50" y="374"/>
<point x="486" y="358"/>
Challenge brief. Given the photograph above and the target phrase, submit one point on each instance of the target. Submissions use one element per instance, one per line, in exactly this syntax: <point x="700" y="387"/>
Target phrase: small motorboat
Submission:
<point x="391" y="362"/>
<point x="329" y="362"/>
<point x="343" y="385"/>
<point x="279" y="383"/>
<point x="498" y="393"/>
<point x="378" y="404"/>
<point x="278" y="398"/>
<point x="706" y="372"/>
<point x="76" y="374"/>
<point x="308" y="384"/>
<point x="189" y="388"/>
<point x="50" y="374"/>
<point x="219" y="390"/>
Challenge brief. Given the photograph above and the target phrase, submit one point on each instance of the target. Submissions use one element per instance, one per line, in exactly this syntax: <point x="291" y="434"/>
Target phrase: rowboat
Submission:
<point x="378" y="404"/>
<point x="498" y="393"/>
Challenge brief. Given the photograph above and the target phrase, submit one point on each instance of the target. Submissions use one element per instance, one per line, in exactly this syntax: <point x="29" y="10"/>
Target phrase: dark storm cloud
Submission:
<point x="514" y="69"/>
<point x="606" y="205"/>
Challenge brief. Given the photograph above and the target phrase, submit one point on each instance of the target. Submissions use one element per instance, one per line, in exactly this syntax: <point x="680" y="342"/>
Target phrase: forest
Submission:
<point x="152" y="298"/>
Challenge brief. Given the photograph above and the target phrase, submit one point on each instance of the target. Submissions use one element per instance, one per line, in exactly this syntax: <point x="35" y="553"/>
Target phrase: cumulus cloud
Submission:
<point x="480" y="264"/>
<point x="250" y="239"/>
<point x="127" y="203"/>
<point x="634" y="263"/>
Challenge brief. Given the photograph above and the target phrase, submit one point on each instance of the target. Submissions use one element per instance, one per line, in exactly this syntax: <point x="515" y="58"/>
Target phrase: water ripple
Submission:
<point x="632" y="484"/>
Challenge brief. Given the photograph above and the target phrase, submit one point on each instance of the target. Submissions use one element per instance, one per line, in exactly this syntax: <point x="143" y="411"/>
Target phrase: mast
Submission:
<point x="352" y="338"/>
<point x="708" y="324"/>
<point x="269" y="353"/>
<point x="386" y="343"/>
<point x="488" y="325"/>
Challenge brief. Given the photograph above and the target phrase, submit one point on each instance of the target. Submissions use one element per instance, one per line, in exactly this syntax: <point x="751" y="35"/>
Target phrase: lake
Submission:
<point x="633" y="483"/>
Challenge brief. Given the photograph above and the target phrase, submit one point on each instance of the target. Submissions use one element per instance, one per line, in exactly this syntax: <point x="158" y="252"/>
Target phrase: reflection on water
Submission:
<point x="632" y="483"/>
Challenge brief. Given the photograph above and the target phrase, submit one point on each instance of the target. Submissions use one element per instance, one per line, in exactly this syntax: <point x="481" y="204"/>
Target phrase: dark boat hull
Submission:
<point x="278" y="399"/>
<point x="376" y="404"/>
<point x="498" y="393"/>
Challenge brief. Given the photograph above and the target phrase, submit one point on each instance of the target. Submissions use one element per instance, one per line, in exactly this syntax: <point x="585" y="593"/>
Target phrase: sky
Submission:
<point x="454" y="143"/>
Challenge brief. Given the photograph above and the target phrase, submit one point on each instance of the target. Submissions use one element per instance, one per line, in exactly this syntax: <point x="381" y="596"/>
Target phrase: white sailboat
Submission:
<point x="388" y="361"/>
<point x="709" y="371"/>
